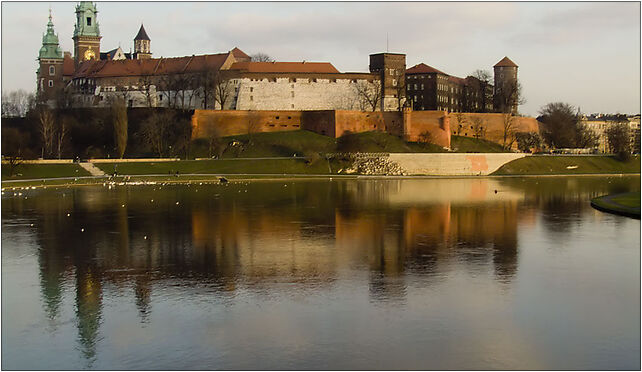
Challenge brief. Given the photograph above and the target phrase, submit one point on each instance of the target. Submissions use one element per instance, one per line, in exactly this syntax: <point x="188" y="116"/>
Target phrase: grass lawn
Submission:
<point x="627" y="204"/>
<point x="32" y="171"/>
<point x="467" y="144"/>
<point x="543" y="165"/>
<point x="628" y="200"/>
<point x="223" y="166"/>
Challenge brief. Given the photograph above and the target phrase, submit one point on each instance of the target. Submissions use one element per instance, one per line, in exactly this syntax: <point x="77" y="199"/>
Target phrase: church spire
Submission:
<point x="50" y="47"/>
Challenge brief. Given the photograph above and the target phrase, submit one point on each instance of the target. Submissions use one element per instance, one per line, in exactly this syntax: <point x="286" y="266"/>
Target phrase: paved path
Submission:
<point x="92" y="169"/>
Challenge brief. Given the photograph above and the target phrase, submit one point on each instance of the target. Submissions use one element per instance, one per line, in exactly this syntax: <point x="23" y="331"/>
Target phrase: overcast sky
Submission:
<point x="586" y="54"/>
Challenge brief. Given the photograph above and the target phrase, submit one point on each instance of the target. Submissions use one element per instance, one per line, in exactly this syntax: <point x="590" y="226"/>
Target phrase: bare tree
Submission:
<point x="47" y="129"/>
<point x="147" y="87"/>
<point x="261" y="57"/>
<point x="119" y="117"/>
<point x="508" y="97"/>
<point x="508" y="131"/>
<point x="484" y="77"/>
<point x="178" y="88"/>
<point x="17" y="103"/>
<point x="223" y="89"/>
<point x="62" y="133"/>
<point x="479" y="127"/>
<point x="252" y="125"/>
<point x="154" y="131"/>
<point x="368" y="94"/>
<point x="15" y="148"/>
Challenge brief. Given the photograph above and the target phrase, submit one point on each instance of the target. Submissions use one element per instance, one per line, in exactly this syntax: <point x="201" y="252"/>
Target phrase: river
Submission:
<point x="468" y="273"/>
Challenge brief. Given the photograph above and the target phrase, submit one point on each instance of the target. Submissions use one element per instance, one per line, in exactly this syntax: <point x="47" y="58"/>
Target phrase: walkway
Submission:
<point x="92" y="169"/>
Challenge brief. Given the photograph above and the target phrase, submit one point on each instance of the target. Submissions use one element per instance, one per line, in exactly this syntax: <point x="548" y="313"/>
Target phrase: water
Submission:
<point x="324" y="274"/>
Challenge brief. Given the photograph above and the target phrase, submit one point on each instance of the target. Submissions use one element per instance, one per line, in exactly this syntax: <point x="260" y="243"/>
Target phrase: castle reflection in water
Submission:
<point x="267" y="236"/>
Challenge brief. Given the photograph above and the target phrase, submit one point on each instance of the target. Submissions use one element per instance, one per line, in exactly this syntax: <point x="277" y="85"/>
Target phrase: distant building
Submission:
<point x="600" y="123"/>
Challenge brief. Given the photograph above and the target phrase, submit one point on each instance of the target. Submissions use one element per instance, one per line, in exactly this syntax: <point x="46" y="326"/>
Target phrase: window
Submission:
<point x="131" y="102"/>
<point x="292" y="105"/>
<point x="415" y="86"/>
<point x="51" y="83"/>
<point x="292" y="94"/>
<point x="422" y="86"/>
<point x="52" y="70"/>
<point x="394" y="82"/>
<point x="277" y="118"/>
<point x="414" y="98"/>
<point x="88" y="21"/>
<point x="251" y="98"/>
<point x="251" y="89"/>
<point x="160" y="97"/>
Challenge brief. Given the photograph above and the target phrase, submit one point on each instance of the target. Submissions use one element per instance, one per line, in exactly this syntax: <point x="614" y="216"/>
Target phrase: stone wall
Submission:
<point x="297" y="94"/>
<point x="463" y="124"/>
<point x="452" y="164"/>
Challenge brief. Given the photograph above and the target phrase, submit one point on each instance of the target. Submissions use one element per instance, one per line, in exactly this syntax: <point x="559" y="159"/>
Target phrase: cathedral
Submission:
<point x="233" y="81"/>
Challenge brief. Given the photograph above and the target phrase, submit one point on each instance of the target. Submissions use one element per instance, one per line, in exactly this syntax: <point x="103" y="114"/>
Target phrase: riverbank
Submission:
<point x="254" y="168"/>
<point x="625" y="204"/>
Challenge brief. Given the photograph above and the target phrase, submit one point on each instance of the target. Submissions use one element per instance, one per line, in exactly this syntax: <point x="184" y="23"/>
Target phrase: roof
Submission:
<point x="142" y="35"/>
<point x="505" y="62"/>
<point x="238" y="53"/>
<point x="67" y="65"/>
<point x="457" y="80"/>
<point x="423" y="68"/>
<point x="152" y="66"/>
<point x="285" y="67"/>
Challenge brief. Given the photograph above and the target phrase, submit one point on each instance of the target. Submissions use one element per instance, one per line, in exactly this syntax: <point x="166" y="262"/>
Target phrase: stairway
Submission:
<point x="92" y="169"/>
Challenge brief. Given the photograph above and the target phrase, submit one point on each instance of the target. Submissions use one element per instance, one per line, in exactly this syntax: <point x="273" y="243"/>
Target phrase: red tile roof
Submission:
<point x="238" y="53"/>
<point x="423" y="68"/>
<point x="457" y="80"/>
<point x="285" y="67"/>
<point x="505" y="62"/>
<point x="152" y="66"/>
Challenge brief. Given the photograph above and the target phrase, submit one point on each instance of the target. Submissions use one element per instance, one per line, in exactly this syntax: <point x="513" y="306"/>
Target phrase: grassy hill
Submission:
<point x="304" y="143"/>
<point x="542" y="165"/>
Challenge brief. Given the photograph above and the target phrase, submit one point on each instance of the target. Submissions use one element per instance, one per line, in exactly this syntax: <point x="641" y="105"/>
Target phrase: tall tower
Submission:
<point x="507" y="92"/>
<point x="391" y="68"/>
<point x="50" y="58"/>
<point x="86" y="33"/>
<point x="142" y="48"/>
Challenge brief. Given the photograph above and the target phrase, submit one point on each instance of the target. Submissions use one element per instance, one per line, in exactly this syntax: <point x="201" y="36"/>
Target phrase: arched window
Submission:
<point x="52" y="70"/>
<point x="50" y="83"/>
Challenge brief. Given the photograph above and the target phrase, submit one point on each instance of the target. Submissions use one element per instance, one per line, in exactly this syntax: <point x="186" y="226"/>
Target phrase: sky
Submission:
<point x="586" y="54"/>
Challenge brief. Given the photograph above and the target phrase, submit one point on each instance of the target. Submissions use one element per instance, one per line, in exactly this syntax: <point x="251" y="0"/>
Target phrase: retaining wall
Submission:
<point x="469" y="164"/>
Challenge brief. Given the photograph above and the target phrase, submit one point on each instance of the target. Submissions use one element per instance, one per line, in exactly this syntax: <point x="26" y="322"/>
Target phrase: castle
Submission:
<point x="232" y="81"/>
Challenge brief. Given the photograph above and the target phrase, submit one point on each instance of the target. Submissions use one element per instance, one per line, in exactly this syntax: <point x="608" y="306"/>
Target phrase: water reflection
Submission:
<point x="290" y="237"/>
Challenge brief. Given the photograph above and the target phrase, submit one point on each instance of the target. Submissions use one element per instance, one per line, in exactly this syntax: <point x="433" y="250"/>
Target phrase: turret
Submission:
<point x="506" y="97"/>
<point x="142" y="44"/>
<point x="50" y="59"/>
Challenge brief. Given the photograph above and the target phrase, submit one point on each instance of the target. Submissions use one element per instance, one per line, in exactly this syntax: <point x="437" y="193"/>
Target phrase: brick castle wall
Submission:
<point x="334" y="123"/>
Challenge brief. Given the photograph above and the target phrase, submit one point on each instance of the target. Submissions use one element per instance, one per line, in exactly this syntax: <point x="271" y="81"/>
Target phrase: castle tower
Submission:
<point x="86" y="33"/>
<point x="506" y="95"/>
<point x="50" y="58"/>
<point x="392" y="70"/>
<point x="142" y="48"/>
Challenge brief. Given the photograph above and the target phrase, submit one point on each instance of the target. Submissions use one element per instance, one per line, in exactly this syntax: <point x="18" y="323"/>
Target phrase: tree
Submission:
<point x="528" y="140"/>
<point x="261" y="57"/>
<point x="119" y="119"/>
<point x="17" y="103"/>
<point x="508" y="131"/>
<point x="222" y="89"/>
<point x="15" y="148"/>
<point x="148" y="89"/>
<point x="368" y="94"/>
<point x="154" y="131"/>
<point x="508" y="97"/>
<point x="252" y="125"/>
<point x="563" y="128"/>
<point x="425" y="138"/>
<point x="479" y="127"/>
<point x="62" y="132"/>
<point x="484" y="77"/>
<point x="619" y="139"/>
<point x="47" y="129"/>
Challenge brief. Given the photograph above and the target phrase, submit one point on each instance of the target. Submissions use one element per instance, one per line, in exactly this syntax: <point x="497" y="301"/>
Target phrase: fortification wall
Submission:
<point x="321" y="122"/>
<point x="464" y="124"/>
<point x="232" y="122"/>
<point x="436" y="123"/>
